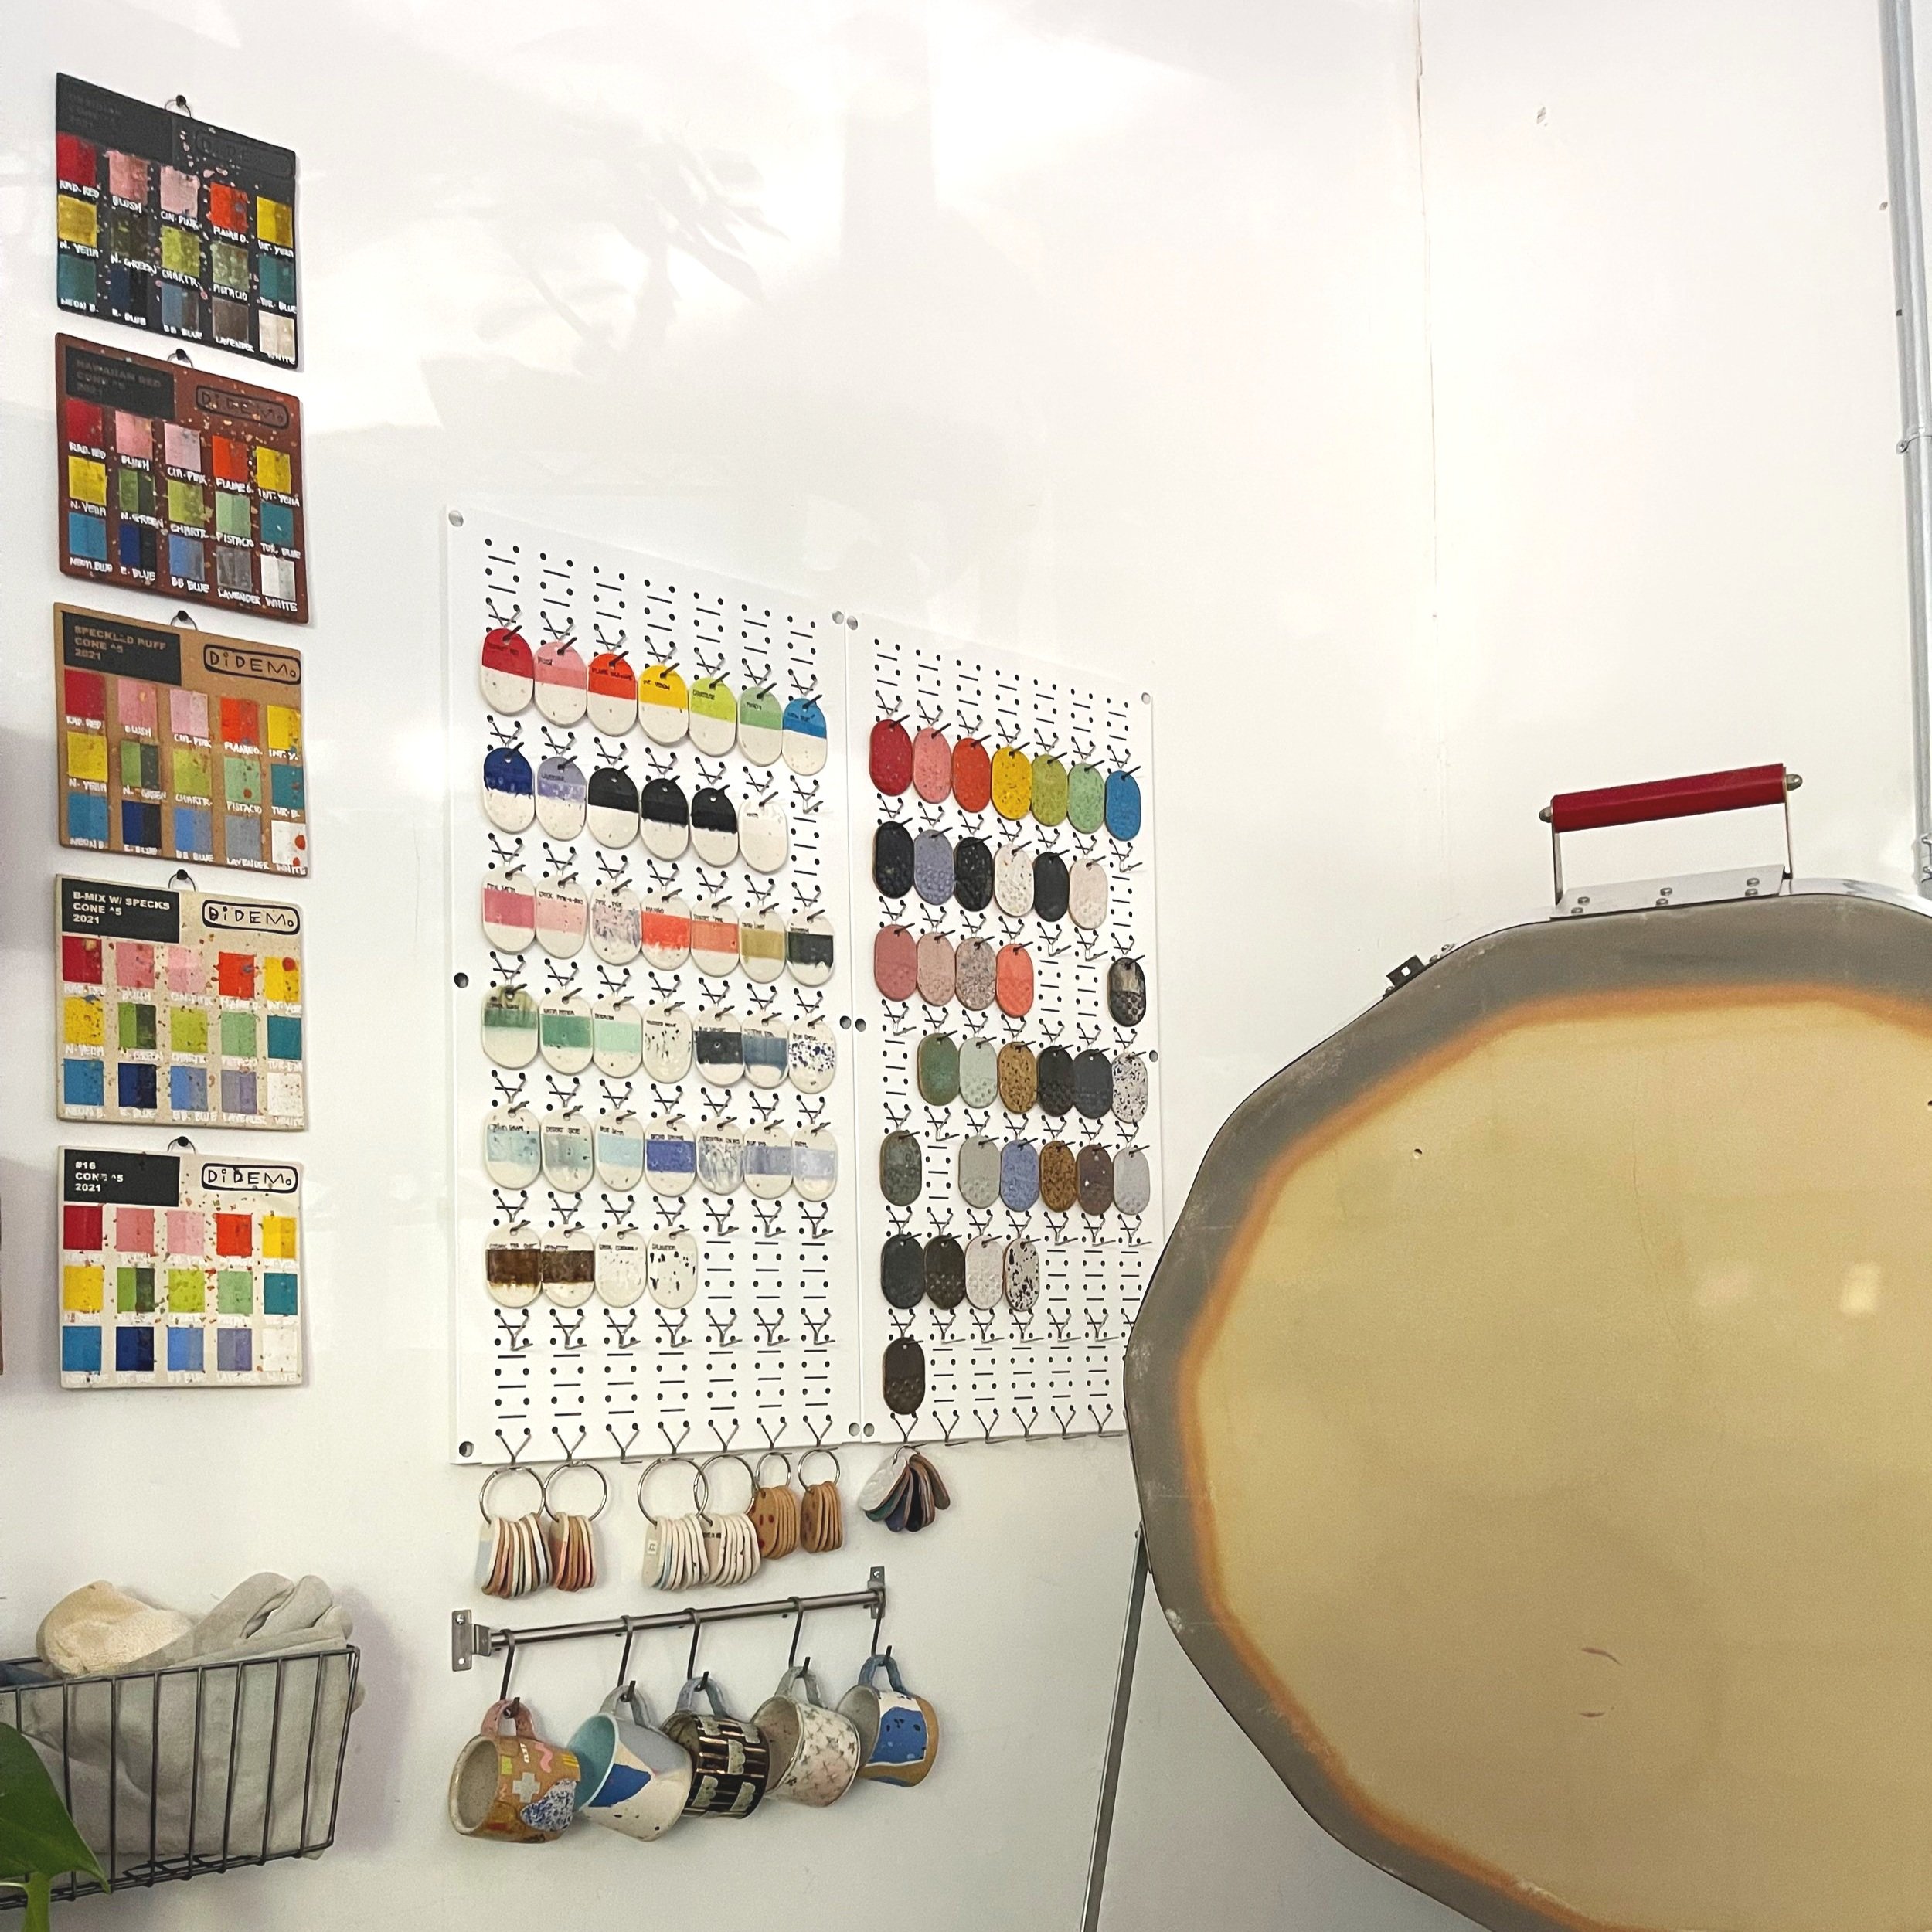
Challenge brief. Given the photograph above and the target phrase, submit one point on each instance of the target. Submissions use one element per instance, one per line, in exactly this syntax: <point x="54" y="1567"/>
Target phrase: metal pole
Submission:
<point x="1915" y="397"/>
<point x="1116" y="1738"/>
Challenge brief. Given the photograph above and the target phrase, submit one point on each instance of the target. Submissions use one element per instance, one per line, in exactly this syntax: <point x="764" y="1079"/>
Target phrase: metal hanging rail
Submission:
<point x="470" y="1640"/>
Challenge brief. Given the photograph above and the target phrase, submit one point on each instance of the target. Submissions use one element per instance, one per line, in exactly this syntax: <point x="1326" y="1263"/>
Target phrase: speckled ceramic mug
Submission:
<point x="815" y="1751"/>
<point x="898" y="1732"/>
<point x="517" y="1788"/>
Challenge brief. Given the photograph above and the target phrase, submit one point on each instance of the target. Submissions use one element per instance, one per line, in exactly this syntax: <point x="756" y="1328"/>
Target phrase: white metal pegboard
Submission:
<point x="1056" y="1369"/>
<point x="768" y="1350"/>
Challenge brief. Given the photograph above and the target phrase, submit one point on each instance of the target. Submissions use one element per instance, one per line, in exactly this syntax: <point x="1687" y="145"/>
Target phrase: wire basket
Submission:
<point x="199" y="1768"/>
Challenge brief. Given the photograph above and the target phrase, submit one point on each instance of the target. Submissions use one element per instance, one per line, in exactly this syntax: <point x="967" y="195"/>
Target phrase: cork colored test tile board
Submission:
<point x="167" y="223"/>
<point x="179" y="1271"/>
<point x="176" y="743"/>
<point x="179" y="481"/>
<point x="178" y="1008"/>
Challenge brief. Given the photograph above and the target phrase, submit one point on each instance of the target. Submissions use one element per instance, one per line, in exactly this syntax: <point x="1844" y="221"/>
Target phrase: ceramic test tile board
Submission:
<point x="179" y="1271"/>
<point x="178" y="1007"/>
<point x="176" y="743"/>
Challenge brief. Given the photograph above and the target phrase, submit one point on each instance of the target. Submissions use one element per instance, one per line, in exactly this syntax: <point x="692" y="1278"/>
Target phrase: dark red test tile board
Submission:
<point x="178" y="482"/>
<point x="171" y="225"/>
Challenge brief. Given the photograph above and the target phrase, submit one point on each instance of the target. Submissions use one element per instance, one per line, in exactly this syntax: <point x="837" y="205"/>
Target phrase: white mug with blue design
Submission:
<point x="635" y="1780"/>
<point x="898" y="1732"/>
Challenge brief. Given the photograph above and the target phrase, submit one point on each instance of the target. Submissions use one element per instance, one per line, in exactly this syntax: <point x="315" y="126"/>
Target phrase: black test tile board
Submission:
<point x="169" y="224"/>
<point x="179" y="481"/>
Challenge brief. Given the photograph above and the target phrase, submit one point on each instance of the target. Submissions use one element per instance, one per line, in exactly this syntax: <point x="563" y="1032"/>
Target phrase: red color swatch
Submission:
<point x="240" y="721"/>
<point x="972" y="775"/>
<point x="80" y="1229"/>
<point x="892" y="757"/>
<point x="76" y="161"/>
<point x="234" y="1234"/>
<point x="237" y="975"/>
<point x="228" y="207"/>
<point x="85" y="423"/>
<point x="80" y="960"/>
<point x="87" y="696"/>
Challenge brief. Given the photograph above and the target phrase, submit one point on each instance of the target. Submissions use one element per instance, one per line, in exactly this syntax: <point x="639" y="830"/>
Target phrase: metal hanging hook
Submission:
<point x="797" y="1626"/>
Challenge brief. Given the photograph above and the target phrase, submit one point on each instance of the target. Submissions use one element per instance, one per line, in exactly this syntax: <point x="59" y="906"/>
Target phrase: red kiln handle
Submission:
<point x="1668" y="798"/>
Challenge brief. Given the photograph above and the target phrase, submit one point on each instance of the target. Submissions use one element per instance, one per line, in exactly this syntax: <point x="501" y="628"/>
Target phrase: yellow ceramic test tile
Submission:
<point x="78" y="224"/>
<point x="272" y="471"/>
<point x="87" y="755"/>
<point x="278" y="1237"/>
<point x="88" y="479"/>
<point x="283" y="981"/>
<point x="80" y="1289"/>
<point x="83" y="1022"/>
<point x="275" y="221"/>
<point x="284" y="728"/>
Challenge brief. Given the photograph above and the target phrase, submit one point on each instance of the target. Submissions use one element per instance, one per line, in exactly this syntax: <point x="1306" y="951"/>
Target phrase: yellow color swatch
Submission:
<point x="282" y="980"/>
<point x="192" y="776"/>
<point x="187" y="1291"/>
<point x="83" y="1022"/>
<point x="272" y="470"/>
<point x="275" y="221"/>
<point x="87" y="755"/>
<point x="78" y="224"/>
<point x="278" y="1237"/>
<point x="88" y="479"/>
<point x="80" y="1289"/>
<point x="284" y="728"/>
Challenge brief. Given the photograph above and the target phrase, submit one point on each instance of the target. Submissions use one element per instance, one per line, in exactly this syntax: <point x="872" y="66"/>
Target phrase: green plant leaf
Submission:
<point x="39" y="1901"/>
<point x="37" y="1837"/>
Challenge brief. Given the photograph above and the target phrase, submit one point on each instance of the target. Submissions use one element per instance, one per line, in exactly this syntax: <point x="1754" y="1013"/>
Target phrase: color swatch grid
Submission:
<point x="176" y="743"/>
<point x="178" y="1273"/>
<point x="171" y="225"/>
<point x="177" y="481"/>
<point x="179" y="1007"/>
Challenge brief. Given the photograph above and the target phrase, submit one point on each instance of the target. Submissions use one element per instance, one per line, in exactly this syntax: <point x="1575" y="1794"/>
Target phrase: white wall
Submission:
<point x="1097" y="327"/>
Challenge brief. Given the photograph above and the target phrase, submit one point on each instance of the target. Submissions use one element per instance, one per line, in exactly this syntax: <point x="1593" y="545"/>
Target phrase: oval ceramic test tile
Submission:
<point x="1019" y="1268"/>
<point x="813" y="1052"/>
<point x="1018" y="1076"/>
<point x="975" y="974"/>
<point x="1048" y="801"/>
<point x="670" y="1157"/>
<point x="562" y="797"/>
<point x="976" y="1171"/>
<point x="972" y="775"/>
<point x="983" y="1283"/>
<point x="763" y="836"/>
<point x="933" y="868"/>
<point x="895" y="962"/>
<point x="721" y="1156"/>
<point x="945" y="1272"/>
<point x="611" y="802"/>
<point x="1055" y="1081"/>
<point x="1018" y="1175"/>
<point x="814" y="1164"/>
<point x="616" y="917"/>
<point x="671" y="1267"/>
<point x="767" y="1162"/>
<point x="513" y="1268"/>
<point x="570" y="1153"/>
<point x="1093" y="1084"/>
<point x="804" y="737"/>
<point x="1012" y="783"/>
<point x="903" y="1375"/>
<point x="978" y="1073"/>
<point x="513" y="1152"/>
<point x="936" y="1070"/>
<point x="1093" y="1169"/>
<point x="1130" y="1088"/>
<point x="620" y="1154"/>
<point x="714" y="716"/>
<point x="1013" y="881"/>
<point x="1123" y="804"/>
<point x="1127" y="992"/>
<point x="663" y="704"/>
<point x="717" y="1050"/>
<point x="1013" y="979"/>
<point x="1050" y="887"/>
<point x="935" y="969"/>
<point x="761" y="947"/>
<point x="714" y="825"/>
<point x="611" y="689"/>
<point x="973" y="875"/>
<point x="666" y="1044"/>
<point x="890" y="757"/>
<point x="932" y="766"/>
<point x="566" y="1032"/>
<point x="891" y="860"/>
<point x="509" y="912"/>
<point x="714" y="939"/>
<point x="663" y="816"/>
<point x="563" y="916"/>
<point x="901" y="1271"/>
<point x="508" y="672"/>
<point x="1085" y="798"/>
<point x="809" y="949"/>
<point x="617" y="1038"/>
<point x="563" y="681"/>
<point x="663" y="931"/>
<point x="510" y="789"/>
<point x="569" y="1268"/>
<point x="620" y="1268"/>
<point x="766" y="1045"/>
<point x="1058" y="1177"/>
<point x="761" y="722"/>
<point x="1086" y="894"/>
<point x="901" y="1170"/>
<point x="1133" y="1181"/>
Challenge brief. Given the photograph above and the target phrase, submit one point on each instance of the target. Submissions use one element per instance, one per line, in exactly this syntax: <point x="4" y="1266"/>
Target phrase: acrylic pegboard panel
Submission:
<point x="1006" y="970"/>
<point x="643" y="898"/>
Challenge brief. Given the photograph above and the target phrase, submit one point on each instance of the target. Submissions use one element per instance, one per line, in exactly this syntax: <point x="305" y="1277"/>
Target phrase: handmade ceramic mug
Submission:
<point x="898" y="1732"/>
<point x="634" y="1779"/>
<point x="815" y="1751"/>
<point x="729" y="1761"/>
<point x="517" y="1787"/>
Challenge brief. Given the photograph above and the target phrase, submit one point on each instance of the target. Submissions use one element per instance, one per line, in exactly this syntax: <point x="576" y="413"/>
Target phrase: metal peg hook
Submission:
<point x="569" y="1449"/>
<point x="514" y="1455"/>
<point x="623" y="1662"/>
<point x="691" y="1662"/>
<point x="509" y="1664"/>
<point x="797" y="1627"/>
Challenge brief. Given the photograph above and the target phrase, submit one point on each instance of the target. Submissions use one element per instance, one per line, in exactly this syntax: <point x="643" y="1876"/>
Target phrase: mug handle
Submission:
<point x="514" y="1709"/>
<point x="796" y="1675"/>
<point x="640" y="1711"/>
<point x="687" y="1698"/>
<point x="871" y="1666"/>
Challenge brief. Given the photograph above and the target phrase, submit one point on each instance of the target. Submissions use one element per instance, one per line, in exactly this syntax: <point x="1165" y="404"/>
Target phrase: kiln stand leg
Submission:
<point x="1116" y="1737"/>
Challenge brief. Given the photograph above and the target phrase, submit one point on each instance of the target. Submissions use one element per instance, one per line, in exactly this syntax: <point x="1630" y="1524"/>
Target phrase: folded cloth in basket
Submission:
<point x="223" y="1743"/>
